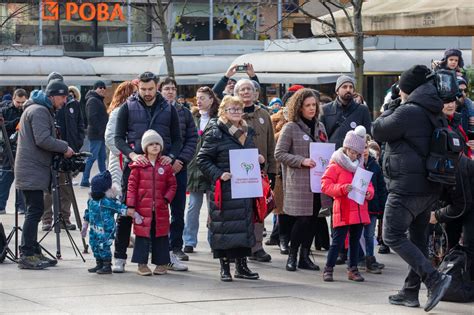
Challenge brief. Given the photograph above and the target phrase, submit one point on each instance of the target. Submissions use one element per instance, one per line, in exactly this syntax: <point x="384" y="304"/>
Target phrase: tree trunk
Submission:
<point x="358" y="47"/>
<point x="165" y="37"/>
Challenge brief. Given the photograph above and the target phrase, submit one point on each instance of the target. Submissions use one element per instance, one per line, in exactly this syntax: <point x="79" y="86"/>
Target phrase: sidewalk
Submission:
<point x="69" y="289"/>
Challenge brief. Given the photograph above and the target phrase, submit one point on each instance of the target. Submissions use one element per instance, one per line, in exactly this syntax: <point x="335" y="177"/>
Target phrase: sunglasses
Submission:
<point x="146" y="76"/>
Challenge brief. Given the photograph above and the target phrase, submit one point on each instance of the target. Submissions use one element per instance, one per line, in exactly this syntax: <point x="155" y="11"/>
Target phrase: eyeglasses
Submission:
<point x="463" y="90"/>
<point x="102" y="87"/>
<point x="233" y="110"/>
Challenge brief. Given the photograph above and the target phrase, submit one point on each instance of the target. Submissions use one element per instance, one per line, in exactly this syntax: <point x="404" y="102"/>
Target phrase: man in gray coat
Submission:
<point x="37" y="145"/>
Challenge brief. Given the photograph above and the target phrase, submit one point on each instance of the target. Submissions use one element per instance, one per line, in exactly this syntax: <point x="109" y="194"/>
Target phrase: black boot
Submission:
<point x="106" y="268"/>
<point x="292" y="257"/>
<point x="284" y="246"/>
<point x="242" y="271"/>
<point x="98" y="265"/>
<point x="225" y="270"/>
<point x="305" y="262"/>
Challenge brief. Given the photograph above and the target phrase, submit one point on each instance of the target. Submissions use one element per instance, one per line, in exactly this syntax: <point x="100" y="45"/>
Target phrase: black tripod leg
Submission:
<point x="71" y="239"/>
<point x="76" y="210"/>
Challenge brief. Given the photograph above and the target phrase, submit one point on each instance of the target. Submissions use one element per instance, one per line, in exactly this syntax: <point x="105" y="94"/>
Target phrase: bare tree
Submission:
<point x="18" y="11"/>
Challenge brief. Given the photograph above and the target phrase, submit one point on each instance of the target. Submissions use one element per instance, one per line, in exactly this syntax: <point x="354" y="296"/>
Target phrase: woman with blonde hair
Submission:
<point x="231" y="224"/>
<point x="123" y="91"/>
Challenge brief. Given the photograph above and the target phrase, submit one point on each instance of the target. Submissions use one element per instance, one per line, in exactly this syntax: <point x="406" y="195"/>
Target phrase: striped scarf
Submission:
<point x="240" y="132"/>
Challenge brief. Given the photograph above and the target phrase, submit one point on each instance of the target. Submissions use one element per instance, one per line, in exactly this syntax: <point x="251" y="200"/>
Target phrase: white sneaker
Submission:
<point x="119" y="266"/>
<point x="176" y="264"/>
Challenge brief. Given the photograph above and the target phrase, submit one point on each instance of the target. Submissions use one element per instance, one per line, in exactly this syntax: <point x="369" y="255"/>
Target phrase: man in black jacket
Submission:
<point x="146" y="109"/>
<point x="11" y="114"/>
<point x="97" y="119"/>
<point x="407" y="129"/>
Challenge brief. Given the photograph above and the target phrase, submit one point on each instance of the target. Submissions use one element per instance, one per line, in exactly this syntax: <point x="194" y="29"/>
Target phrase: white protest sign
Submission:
<point x="246" y="181"/>
<point x="320" y="153"/>
<point x="360" y="184"/>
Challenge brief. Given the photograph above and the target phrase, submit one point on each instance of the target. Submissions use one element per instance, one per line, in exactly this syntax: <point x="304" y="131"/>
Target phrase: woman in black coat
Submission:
<point x="231" y="224"/>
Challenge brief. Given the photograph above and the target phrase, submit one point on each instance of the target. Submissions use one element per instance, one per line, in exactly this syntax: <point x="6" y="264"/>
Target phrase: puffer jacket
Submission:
<point x="232" y="225"/>
<point x="151" y="189"/>
<point x="188" y="133"/>
<point x="345" y="211"/>
<point x="115" y="156"/>
<point x="377" y="204"/>
<point x="406" y="129"/>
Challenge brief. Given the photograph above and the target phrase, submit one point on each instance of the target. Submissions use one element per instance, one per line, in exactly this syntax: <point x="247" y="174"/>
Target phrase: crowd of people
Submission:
<point x="161" y="148"/>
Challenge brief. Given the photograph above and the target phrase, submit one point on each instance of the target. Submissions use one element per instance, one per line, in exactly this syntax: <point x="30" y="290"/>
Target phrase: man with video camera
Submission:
<point x="37" y="144"/>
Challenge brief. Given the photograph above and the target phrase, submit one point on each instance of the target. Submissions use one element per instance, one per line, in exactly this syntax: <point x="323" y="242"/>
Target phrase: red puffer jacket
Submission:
<point x="345" y="211"/>
<point x="151" y="187"/>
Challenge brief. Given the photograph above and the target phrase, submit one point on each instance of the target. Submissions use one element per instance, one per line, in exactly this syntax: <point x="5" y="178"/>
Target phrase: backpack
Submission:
<point x="456" y="264"/>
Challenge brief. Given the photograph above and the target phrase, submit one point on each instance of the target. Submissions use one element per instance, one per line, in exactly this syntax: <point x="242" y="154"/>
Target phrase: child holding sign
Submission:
<point x="347" y="216"/>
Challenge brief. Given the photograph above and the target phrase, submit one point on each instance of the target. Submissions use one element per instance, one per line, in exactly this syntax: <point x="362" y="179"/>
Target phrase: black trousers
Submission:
<point x="124" y="223"/>
<point x="159" y="248"/>
<point x="34" y="211"/>
<point x="304" y="227"/>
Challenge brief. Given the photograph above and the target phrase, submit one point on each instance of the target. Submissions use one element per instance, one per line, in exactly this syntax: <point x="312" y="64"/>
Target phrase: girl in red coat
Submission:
<point x="151" y="188"/>
<point x="347" y="215"/>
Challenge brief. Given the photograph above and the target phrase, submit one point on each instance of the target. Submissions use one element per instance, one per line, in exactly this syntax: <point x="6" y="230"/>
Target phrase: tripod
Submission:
<point x="59" y="219"/>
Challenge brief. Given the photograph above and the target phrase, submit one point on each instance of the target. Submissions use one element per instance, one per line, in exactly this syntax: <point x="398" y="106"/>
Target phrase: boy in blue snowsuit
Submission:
<point x="101" y="208"/>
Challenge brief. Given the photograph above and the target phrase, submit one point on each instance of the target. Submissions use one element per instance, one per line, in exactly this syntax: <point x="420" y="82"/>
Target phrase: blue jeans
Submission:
<point x="339" y="237"/>
<point x="369" y="234"/>
<point x="191" y="226"/>
<point x="97" y="148"/>
<point x="6" y="181"/>
<point x="177" y="211"/>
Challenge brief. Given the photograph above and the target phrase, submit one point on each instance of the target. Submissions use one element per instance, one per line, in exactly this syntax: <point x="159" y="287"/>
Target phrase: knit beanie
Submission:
<point x="274" y="101"/>
<point x="344" y="79"/>
<point x="98" y="84"/>
<point x="101" y="182"/>
<point x="413" y="78"/>
<point x="355" y="139"/>
<point x="56" y="87"/>
<point x="295" y="87"/>
<point x="151" y="136"/>
<point x="454" y="52"/>
<point x="55" y="76"/>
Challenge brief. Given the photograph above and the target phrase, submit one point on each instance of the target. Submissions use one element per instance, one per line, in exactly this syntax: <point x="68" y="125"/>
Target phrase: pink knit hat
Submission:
<point x="355" y="139"/>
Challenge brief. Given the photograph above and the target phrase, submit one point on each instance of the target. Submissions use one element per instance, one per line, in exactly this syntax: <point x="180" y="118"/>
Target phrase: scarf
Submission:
<point x="343" y="160"/>
<point x="239" y="133"/>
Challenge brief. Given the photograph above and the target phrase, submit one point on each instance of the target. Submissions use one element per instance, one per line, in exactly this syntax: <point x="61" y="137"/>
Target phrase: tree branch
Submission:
<point x="15" y="13"/>
<point x="344" y="9"/>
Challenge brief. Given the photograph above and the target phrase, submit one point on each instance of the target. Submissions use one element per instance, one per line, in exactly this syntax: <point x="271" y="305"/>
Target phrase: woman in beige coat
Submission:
<point x="292" y="150"/>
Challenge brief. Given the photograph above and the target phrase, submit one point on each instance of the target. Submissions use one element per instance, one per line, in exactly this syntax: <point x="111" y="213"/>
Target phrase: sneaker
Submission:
<point x="384" y="249"/>
<point x="160" y="270"/>
<point x="119" y="266"/>
<point x="85" y="185"/>
<point x="69" y="226"/>
<point x="143" y="270"/>
<point x="354" y="274"/>
<point x="271" y="242"/>
<point x="46" y="227"/>
<point x="175" y="264"/>
<point x="437" y="291"/>
<point x="401" y="298"/>
<point x="50" y="262"/>
<point x="3" y="211"/>
<point x="261" y="256"/>
<point x="180" y="254"/>
<point x="31" y="262"/>
<point x="188" y="249"/>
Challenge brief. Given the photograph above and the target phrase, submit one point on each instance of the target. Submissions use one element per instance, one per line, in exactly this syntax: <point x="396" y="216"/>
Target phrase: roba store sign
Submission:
<point x="86" y="11"/>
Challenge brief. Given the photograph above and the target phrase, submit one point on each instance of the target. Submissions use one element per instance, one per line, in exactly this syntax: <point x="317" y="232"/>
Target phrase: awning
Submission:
<point x="278" y="78"/>
<point x="43" y="66"/>
<point x="406" y="17"/>
<point x="29" y="80"/>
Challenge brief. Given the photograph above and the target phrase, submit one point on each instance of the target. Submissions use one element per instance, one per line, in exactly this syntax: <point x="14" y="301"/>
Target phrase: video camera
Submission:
<point x="75" y="164"/>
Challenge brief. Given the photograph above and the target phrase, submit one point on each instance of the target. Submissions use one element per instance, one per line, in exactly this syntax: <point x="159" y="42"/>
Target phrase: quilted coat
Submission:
<point x="151" y="188"/>
<point x="345" y="211"/>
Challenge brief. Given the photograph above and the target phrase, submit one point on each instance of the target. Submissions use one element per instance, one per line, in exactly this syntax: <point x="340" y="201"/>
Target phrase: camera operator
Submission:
<point x="37" y="144"/>
<point x="11" y="115"/>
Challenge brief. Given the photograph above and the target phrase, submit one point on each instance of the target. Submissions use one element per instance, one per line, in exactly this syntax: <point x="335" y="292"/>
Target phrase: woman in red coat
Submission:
<point x="347" y="215"/>
<point x="151" y="188"/>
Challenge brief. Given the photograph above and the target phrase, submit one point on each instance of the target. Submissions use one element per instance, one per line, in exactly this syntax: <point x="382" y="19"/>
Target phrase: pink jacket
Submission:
<point x="345" y="211"/>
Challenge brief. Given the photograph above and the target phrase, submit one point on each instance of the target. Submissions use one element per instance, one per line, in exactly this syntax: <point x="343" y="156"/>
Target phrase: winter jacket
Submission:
<point x="135" y="117"/>
<point x="220" y="85"/>
<point x="345" y="211"/>
<point x="404" y="128"/>
<point x="377" y="204"/>
<point x="464" y="109"/>
<point x="259" y="120"/>
<point x="11" y="115"/>
<point x="197" y="181"/>
<point x="232" y="225"/>
<point x="115" y="156"/>
<point x="37" y="144"/>
<point x="332" y="117"/>
<point x="291" y="150"/>
<point x="454" y="124"/>
<point x="97" y="116"/>
<point x="71" y="124"/>
<point x="278" y="121"/>
<point x="188" y="134"/>
<point x="151" y="189"/>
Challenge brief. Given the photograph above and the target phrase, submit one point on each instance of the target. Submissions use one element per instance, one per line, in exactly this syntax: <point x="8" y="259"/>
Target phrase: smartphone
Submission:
<point x="242" y="68"/>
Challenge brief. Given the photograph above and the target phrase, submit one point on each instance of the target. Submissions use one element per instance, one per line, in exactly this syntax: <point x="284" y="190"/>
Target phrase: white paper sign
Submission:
<point x="320" y="153"/>
<point x="360" y="184"/>
<point x="246" y="181"/>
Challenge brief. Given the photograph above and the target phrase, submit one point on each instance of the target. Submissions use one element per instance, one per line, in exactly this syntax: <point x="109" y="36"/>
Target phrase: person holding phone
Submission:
<point x="225" y="86"/>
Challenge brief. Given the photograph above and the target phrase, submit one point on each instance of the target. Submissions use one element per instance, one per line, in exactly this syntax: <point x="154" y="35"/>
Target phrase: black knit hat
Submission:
<point x="56" y="87"/>
<point x="454" y="52"/>
<point x="413" y="78"/>
<point x="55" y="76"/>
<point x="98" y="84"/>
<point x="101" y="182"/>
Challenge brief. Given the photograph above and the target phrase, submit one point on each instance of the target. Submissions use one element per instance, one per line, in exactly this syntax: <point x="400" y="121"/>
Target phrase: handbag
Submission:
<point x="266" y="204"/>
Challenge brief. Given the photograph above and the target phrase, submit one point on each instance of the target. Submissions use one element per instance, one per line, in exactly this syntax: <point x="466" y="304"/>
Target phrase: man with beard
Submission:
<point x="344" y="114"/>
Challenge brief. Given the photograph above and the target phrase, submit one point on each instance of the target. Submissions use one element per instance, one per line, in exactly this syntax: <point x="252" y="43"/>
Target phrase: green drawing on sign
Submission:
<point x="247" y="167"/>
